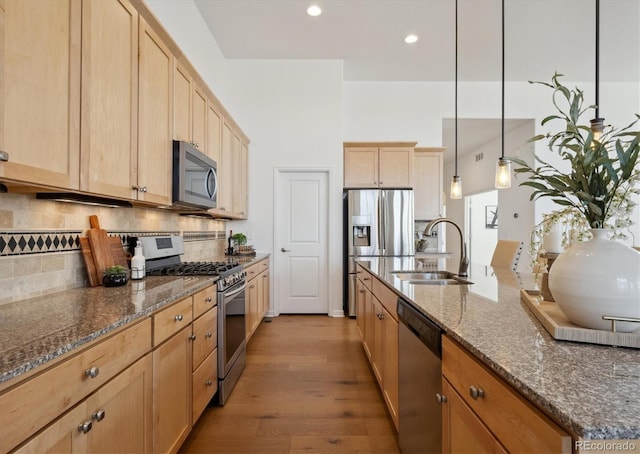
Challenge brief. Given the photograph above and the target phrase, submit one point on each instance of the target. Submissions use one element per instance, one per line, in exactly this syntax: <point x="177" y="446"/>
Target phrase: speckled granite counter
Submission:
<point x="38" y="330"/>
<point x="593" y="391"/>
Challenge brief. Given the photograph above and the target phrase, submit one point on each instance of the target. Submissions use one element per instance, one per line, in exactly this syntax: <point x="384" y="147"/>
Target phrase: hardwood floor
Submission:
<point x="307" y="388"/>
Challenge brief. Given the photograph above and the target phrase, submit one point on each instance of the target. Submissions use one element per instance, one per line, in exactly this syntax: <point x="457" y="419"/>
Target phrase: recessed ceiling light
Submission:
<point x="314" y="10"/>
<point x="410" y="39"/>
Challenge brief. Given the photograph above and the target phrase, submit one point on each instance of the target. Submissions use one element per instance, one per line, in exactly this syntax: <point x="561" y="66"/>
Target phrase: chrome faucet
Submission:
<point x="464" y="260"/>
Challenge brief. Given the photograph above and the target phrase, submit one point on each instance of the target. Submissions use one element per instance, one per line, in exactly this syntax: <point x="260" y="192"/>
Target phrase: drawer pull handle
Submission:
<point x="92" y="372"/>
<point x="85" y="427"/>
<point x="208" y="383"/>
<point x="99" y="415"/>
<point x="208" y="299"/>
<point x="209" y="335"/>
<point x="365" y="278"/>
<point x="178" y="318"/>
<point x="441" y="398"/>
<point x="476" y="393"/>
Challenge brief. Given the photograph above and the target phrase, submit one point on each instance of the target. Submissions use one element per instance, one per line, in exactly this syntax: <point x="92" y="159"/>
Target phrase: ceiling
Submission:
<point x="541" y="36"/>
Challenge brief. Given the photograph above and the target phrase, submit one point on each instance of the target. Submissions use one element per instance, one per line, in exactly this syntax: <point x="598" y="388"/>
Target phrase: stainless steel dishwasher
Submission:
<point x="420" y="379"/>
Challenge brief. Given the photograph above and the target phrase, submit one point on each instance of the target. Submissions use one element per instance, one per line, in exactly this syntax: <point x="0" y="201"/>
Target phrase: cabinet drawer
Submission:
<point x="516" y="423"/>
<point x="255" y="269"/>
<point x="38" y="401"/>
<point x="388" y="298"/>
<point x="203" y="301"/>
<point x="171" y="320"/>
<point x="205" y="384"/>
<point x="204" y="330"/>
<point x="365" y="277"/>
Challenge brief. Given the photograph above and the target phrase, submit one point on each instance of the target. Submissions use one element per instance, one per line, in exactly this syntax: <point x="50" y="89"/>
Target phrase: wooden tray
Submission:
<point x="549" y="314"/>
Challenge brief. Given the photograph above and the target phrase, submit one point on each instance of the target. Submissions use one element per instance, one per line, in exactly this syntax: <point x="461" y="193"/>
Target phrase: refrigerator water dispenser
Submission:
<point x="362" y="235"/>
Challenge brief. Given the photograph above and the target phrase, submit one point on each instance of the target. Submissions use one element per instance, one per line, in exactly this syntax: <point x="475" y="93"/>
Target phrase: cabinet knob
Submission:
<point x="99" y="415"/>
<point x="178" y="318"/>
<point x="135" y="187"/>
<point x="4" y="156"/>
<point x="85" y="427"/>
<point x="252" y="286"/>
<point x="209" y="335"/>
<point x="92" y="372"/>
<point x="441" y="398"/>
<point x="192" y="337"/>
<point x="208" y="299"/>
<point x="365" y="278"/>
<point x="143" y="189"/>
<point x="476" y="393"/>
<point x="380" y="315"/>
<point x="208" y="383"/>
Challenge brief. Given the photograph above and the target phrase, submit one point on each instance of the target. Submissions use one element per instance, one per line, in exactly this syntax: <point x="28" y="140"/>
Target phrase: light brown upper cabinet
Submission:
<point x="239" y="162"/>
<point x="153" y="163"/>
<point x="225" y="173"/>
<point x="190" y="111"/>
<point x="427" y="183"/>
<point x="214" y="132"/>
<point x="109" y="118"/>
<point x="40" y="92"/>
<point x="378" y="165"/>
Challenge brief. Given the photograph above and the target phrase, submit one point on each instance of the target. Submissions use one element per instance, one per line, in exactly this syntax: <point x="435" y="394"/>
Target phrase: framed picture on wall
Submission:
<point x="491" y="216"/>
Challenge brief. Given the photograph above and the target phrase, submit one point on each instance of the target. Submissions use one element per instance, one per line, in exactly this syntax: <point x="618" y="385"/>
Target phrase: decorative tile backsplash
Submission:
<point x="40" y="240"/>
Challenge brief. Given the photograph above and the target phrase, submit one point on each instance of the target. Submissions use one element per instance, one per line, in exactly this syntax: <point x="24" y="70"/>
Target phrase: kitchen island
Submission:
<point x="592" y="391"/>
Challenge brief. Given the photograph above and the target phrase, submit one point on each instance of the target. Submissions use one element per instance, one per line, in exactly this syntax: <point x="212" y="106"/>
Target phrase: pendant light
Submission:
<point x="503" y="167"/>
<point x="456" y="181"/>
<point x="597" y="124"/>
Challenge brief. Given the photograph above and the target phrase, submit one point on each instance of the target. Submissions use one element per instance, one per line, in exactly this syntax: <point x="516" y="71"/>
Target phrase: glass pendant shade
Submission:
<point x="456" y="187"/>
<point x="503" y="174"/>
<point x="597" y="127"/>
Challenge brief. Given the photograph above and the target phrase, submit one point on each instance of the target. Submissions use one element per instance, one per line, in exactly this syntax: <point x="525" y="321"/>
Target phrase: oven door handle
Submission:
<point x="235" y="292"/>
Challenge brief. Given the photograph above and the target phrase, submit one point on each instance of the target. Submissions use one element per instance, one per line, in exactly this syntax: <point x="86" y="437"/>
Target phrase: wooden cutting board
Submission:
<point x="98" y="239"/>
<point x="117" y="253"/>
<point x="92" y="273"/>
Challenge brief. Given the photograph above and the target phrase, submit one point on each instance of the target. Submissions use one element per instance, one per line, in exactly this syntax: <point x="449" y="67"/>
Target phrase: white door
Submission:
<point x="301" y="242"/>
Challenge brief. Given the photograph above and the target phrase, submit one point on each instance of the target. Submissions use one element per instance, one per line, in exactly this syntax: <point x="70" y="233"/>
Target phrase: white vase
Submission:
<point x="552" y="241"/>
<point x="595" y="278"/>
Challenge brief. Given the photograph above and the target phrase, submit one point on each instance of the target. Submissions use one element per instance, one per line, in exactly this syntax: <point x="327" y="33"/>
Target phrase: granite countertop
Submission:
<point x="592" y="391"/>
<point x="37" y="330"/>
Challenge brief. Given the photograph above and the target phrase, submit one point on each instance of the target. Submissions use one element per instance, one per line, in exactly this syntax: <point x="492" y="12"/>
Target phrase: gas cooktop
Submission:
<point x="195" y="269"/>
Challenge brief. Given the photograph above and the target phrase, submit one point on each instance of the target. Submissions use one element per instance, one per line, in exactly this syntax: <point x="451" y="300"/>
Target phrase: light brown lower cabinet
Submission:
<point x="489" y="411"/>
<point x="116" y="418"/>
<point x="463" y="431"/>
<point x="377" y="322"/>
<point x="257" y="296"/>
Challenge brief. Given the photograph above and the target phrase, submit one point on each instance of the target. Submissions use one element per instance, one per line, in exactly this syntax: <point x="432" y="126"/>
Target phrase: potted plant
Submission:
<point x="597" y="277"/>
<point x="115" y="276"/>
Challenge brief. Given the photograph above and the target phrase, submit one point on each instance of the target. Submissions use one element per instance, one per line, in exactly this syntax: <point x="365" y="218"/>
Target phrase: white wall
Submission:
<point x="292" y="112"/>
<point x="482" y="240"/>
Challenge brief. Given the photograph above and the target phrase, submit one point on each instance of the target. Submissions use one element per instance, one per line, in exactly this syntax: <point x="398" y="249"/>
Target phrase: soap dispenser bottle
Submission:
<point x="137" y="263"/>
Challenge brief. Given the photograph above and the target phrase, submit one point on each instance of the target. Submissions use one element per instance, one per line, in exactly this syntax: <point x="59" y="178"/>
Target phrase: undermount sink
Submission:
<point x="430" y="277"/>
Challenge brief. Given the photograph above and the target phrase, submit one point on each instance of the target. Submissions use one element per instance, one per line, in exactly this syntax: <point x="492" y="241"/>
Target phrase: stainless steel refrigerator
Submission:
<point x="377" y="223"/>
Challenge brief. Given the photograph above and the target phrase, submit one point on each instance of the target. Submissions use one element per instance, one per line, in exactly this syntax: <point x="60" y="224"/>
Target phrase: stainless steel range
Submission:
<point x="162" y="254"/>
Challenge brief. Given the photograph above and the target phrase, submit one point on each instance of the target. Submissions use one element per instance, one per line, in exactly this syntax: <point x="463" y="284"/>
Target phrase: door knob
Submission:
<point x="285" y="250"/>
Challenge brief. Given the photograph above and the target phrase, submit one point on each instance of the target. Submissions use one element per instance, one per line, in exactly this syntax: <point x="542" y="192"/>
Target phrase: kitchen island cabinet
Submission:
<point x="378" y="165"/>
<point x="378" y="325"/>
<point x="40" y="92"/>
<point x="537" y="391"/>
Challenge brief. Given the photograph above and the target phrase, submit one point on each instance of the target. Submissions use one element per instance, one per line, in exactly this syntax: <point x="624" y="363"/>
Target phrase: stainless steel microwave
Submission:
<point x="195" y="178"/>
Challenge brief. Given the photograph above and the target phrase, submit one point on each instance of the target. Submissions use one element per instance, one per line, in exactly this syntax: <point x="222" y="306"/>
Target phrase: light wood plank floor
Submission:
<point x="307" y="388"/>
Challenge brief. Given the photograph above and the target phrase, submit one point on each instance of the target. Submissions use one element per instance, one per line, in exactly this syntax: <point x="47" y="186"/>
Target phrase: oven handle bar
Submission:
<point x="235" y="292"/>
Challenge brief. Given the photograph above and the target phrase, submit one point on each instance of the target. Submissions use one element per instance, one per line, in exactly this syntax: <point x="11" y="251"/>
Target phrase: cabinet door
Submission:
<point x="172" y="392"/>
<point x="390" y="360"/>
<point x="462" y="430"/>
<point x="214" y="133"/>
<point x="116" y="418"/>
<point x="361" y="308"/>
<point x="251" y="307"/>
<point x="181" y="104"/>
<point x="109" y="98"/>
<point x="361" y="167"/>
<point x="427" y="184"/>
<point x="199" y="118"/>
<point x="204" y="336"/>
<point x="205" y="384"/>
<point x="265" y="294"/>
<point x="225" y="171"/>
<point x="121" y="412"/>
<point x="395" y="167"/>
<point x="153" y="164"/>
<point x="40" y="91"/>
<point x="369" y="321"/>
<point x="377" y="353"/>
